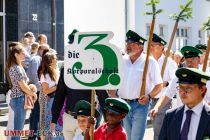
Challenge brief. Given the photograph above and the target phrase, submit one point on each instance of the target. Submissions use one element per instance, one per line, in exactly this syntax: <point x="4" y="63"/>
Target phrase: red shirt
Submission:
<point x="117" y="134"/>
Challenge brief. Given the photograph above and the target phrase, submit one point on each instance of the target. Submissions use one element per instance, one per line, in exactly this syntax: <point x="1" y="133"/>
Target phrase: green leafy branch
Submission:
<point x="206" y="25"/>
<point x="186" y="12"/>
<point x="154" y="10"/>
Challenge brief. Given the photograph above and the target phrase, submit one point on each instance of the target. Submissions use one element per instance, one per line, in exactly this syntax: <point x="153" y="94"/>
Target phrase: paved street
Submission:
<point x="3" y="123"/>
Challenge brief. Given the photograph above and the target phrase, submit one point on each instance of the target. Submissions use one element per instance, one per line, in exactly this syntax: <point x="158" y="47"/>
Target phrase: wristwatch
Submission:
<point x="149" y="97"/>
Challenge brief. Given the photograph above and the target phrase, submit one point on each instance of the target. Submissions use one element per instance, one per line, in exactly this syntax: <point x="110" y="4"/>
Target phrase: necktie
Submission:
<point x="186" y="126"/>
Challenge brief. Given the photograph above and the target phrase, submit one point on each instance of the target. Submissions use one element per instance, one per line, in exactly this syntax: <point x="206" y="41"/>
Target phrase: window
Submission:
<point x="185" y="42"/>
<point x="186" y="33"/>
<point x="177" y="32"/>
<point x="182" y="32"/>
<point x="199" y="33"/>
<point x="148" y="29"/>
<point x="161" y="31"/>
<point x="182" y="38"/>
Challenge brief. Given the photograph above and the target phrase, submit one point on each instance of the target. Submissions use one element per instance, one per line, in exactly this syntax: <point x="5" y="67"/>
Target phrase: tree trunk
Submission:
<point x="169" y="48"/>
<point x="143" y="86"/>
<point x="93" y="92"/>
<point x="206" y="56"/>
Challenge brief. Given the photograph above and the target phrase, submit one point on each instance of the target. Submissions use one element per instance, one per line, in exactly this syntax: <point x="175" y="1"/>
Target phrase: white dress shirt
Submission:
<point x="133" y="74"/>
<point x="169" y="72"/>
<point x="195" y="118"/>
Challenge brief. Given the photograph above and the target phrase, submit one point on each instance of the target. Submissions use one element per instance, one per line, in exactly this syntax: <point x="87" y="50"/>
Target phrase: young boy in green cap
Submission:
<point x="83" y="111"/>
<point x="116" y="110"/>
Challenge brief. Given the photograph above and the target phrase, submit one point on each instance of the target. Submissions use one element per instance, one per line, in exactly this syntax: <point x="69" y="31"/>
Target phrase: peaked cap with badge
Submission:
<point x="190" y="51"/>
<point x="191" y="76"/>
<point x="83" y="108"/>
<point x="71" y="36"/>
<point x="117" y="105"/>
<point x="201" y="47"/>
<point x="134" y="37"/>
<point x="158" y="39"/>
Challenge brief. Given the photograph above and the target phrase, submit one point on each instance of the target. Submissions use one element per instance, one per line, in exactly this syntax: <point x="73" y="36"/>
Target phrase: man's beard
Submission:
<point x="131" y="53"/>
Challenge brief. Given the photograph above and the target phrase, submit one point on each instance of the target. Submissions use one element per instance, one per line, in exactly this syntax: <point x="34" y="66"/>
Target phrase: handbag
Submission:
<point x="29" y="102"/>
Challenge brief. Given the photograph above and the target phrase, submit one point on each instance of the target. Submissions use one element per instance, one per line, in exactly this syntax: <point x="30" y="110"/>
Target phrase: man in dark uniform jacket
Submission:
<point x="72" y="96"/>
<point x="191" y="121"/>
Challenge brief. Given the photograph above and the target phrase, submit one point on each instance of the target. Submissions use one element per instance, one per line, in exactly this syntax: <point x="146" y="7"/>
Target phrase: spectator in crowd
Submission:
<point x="10" y="122"/>
<point x="30" y="39"/>
<point x="33" y="78"/>
<point x="34" y="48"/>
<point x="192" y="120"/>
<point x="42" y="39"/>
<point x="20" y="86"/>
<point x="49" y="75"/>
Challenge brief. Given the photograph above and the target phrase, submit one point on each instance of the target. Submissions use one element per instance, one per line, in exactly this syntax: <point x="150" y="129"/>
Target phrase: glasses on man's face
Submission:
<point x="186" y="90"/>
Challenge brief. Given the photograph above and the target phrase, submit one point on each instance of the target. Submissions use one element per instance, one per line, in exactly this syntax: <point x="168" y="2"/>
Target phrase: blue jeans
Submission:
<point x="136" y="120"/>
<point x="34" y="119"/>
<point x="17" y="105"/>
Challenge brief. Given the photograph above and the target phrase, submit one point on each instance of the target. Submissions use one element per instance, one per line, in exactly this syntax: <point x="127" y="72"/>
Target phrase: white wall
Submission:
<point x="101" y="15"/>
<point x="95" y="15"/>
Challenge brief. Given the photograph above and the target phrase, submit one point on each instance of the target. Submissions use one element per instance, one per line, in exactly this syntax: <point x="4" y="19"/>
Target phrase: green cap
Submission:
<point x="191" y="76"/>
<point x="201" y="47"/>
<point x="158" y="39"/>
<point x="83" y="108"/>
<point x="189" y="51"/>
<point x="71" y="36"/>
<point x="117" y="105"/>
<point x="134" y="37"/>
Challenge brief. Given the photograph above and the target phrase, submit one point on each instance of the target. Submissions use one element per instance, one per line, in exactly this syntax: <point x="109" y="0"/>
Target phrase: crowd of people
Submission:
<point x="33" y="73"/>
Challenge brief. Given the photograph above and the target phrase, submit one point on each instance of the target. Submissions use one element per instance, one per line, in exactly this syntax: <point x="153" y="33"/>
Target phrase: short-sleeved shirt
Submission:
<point x="169" y="72"/>
<point x="17" y="73"/>
<point x="46" y="78"/>
<point x="133" y="75"/>
<point x="118" y="133"/>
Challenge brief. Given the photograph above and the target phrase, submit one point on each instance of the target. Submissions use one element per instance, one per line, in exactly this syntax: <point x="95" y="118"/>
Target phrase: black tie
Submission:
<point x="186" y="126"/>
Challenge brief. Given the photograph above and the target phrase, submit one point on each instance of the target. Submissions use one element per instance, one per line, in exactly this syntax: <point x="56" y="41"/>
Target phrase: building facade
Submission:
<point x="188" y="33"/>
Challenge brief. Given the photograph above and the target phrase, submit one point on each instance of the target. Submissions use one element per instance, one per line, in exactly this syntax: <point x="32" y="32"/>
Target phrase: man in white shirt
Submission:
<point x="133" y="67"/>
<point x="192" y="59"/>
<point x="192" y="120"/>
<point x="157" y="49"/>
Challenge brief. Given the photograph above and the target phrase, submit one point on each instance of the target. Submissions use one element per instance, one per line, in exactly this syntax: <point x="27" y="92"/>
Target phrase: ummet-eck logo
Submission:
<point x="92" y="62"/>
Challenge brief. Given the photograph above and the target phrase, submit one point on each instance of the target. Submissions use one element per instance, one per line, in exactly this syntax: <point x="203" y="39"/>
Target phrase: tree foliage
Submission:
<point x="206" y="25"/>
<point x="185" y="13"/>
<point x="154" y="10"/>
